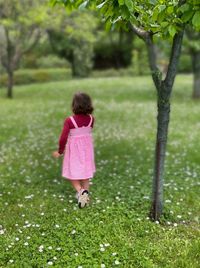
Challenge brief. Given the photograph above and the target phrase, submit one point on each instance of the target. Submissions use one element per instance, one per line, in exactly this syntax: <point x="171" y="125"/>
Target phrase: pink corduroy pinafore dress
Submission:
<point x="78" y="162"/>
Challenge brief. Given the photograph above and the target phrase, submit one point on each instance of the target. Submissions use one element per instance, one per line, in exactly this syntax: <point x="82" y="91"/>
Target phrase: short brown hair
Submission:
<point x="82" y="103"/>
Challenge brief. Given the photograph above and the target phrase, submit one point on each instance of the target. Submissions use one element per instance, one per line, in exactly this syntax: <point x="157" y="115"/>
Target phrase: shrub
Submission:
<point x="114" y="72"/>
<point x="52" y="61"/>
<point x="29" y="61"/>
<point x="28" y="76"/>
<point x="82" y="60"/>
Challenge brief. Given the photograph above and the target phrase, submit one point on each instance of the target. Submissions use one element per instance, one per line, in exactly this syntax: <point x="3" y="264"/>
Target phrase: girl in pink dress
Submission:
<point x="77" y="145"/>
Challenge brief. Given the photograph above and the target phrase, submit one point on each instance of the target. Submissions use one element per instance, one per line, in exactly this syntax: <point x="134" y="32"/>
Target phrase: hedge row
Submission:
<point x="116" y="72"/>
<point x="28" y="76"/>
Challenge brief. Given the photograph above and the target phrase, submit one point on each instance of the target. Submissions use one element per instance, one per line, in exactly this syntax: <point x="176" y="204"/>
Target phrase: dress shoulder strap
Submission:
<point x="73" y="122"/>
<point x="91" y="119"/>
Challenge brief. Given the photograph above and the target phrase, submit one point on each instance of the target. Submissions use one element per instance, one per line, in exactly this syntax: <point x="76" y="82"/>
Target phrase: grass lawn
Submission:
<point x="40" y="223"/>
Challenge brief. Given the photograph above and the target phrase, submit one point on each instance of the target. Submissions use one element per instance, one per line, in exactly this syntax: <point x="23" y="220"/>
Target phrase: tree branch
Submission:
<point x="174" y="58"/>
<point x="16" y="57"/>
<point x="139" y="32"/>
<point x="175" y="54"/>
<point x="31" y="46"/>
<point x="147" y="37"/>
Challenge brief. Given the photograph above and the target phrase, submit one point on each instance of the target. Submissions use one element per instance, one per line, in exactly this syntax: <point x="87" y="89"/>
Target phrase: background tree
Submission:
<point x="81" y="39"/>
<point x="72" y="37"/>
<point x="20" y="31"/>
<point x="192" y="43"/>
<point x="42" y="52"/>
<point x="165" y="19"/>
<point x="113" y="49"/>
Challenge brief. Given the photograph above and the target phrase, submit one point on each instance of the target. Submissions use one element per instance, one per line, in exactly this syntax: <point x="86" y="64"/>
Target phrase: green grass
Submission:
<point x="38" y="208"/>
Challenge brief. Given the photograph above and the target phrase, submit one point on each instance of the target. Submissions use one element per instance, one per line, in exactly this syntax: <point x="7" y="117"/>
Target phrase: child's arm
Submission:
<point x="93" y="120"/>
<point x="62" y="140"/>
<point x="56" y="154"/>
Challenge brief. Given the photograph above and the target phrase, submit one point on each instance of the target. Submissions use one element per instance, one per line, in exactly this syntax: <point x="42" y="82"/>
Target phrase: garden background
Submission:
<point x="52" y="54"/>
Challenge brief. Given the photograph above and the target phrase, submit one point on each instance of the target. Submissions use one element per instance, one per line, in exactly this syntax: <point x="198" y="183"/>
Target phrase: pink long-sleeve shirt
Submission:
<point x="81" y="120"/>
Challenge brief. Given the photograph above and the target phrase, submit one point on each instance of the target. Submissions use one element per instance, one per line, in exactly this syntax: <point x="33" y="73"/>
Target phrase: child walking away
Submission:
<point x="77" y="145"/>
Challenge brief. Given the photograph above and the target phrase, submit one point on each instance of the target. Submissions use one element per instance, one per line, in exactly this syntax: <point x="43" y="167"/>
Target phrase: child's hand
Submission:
<point x="56" y="154"/>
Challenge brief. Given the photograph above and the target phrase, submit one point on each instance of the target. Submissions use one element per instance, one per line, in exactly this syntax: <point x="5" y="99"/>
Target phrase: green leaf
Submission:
<point x="164" y="24"/>
<point x="162" y="7"/>
<point x="133" y="19"/>
<point x="187" y="15"/>
<point x="172" y="30"/>
<point x="170" y="10"/>
<point x="153" y="2"/>
<point x="129" y="4"/>
<point x="121" y="2"/>
<point x="161" y="16"/>
<point x="101" y="5"/>
<point x="155" y="14"/>
<point x="108" y="25"/>
<point x="83" y="5"/>
<point x="53" y="2"/>
<point x="184" y="8"/>
<point x="125" y="13"/>
<point x="196" y="19"/>
<point x="117" y="19"/>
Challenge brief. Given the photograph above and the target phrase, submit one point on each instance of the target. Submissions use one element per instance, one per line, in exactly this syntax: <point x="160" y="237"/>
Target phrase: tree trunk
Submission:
<point x="163" y="108"/>
<point x="10" y="85"/>
<point x="196" y="73"/>
<point x="164" y="90"/>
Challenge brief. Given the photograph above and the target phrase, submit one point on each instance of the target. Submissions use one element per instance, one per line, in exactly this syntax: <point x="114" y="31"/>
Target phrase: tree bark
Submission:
<point x="163" y="118"/>
<point x="196" y="73"/>
<point x="10" y="85"/>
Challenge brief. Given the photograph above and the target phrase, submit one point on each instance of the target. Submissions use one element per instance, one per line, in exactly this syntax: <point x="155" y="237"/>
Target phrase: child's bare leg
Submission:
<point x="85" y="184"/>
<point x="77" y="185"/>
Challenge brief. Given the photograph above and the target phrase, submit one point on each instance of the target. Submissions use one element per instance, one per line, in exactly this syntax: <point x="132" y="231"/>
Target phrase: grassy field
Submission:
<point x="40" y="224"/>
